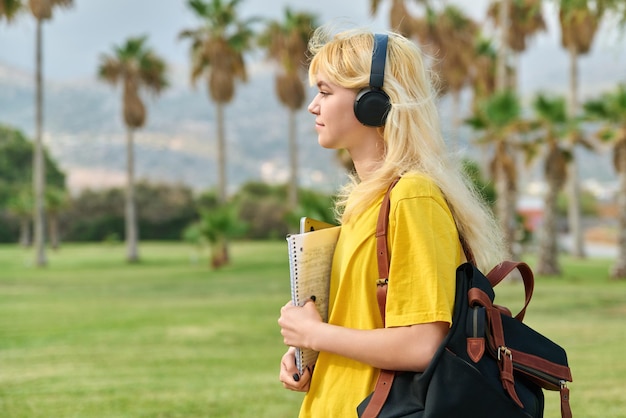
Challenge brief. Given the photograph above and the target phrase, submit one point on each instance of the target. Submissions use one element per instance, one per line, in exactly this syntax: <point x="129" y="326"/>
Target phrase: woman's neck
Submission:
<point x="368" y="157"/>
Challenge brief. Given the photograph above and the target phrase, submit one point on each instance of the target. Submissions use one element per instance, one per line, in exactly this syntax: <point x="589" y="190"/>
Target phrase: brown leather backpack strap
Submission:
<point x="469" y="254"/>
<point x="381" y="239"/>
<point x="497" y="342"/>
<point x="385" y="377"/>
<point x="566" y="410"/>
<point x="379" y="396"/>
<point x="499" y="272"/>
<point x="382" y="253"/>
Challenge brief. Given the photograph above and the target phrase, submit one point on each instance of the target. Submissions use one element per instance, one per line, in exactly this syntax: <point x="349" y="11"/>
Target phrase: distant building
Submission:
<point x="531" y="209"/>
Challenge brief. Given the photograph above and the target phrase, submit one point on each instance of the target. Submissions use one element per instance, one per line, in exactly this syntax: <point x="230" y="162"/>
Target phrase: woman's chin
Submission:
<point x="326" y="144"/>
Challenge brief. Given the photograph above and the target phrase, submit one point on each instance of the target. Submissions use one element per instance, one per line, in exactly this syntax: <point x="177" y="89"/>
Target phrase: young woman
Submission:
<point x="432" y="206"/>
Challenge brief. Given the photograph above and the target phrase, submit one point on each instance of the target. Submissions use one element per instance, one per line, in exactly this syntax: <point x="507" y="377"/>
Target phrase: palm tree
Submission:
<point x="41" y="10"/>
<point x="215" y="227"/>
<point x="286" y="43"/>
<point x="451" y="36"/>
<point x="611" y="108"/>
<point x="400" y="20"/>
<point x="217" y="49"/>
<point x="136" y="67"/>
<point x="521" y="19"/>
<point x="21" y="205"/>
<point x="9" y="8"/>
<point x="499" y="119"/>
<point x="57" y="199"/>
<point x="483" y="82"/>
<point x="502" y="79"/>
<point x="556" y="131"/>
<point x="448" y="35"/>
<point x="579" y="23"/>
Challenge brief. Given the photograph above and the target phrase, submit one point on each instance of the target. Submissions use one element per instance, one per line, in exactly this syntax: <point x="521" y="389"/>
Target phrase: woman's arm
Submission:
<point x="407" y="348"/>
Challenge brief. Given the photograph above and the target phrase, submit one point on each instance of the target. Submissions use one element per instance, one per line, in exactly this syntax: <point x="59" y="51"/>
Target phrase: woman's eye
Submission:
<point x="324" y="93"/>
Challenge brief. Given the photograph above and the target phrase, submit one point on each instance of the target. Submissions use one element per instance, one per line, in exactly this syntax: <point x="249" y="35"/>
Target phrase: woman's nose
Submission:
<point x="313" y="107"/>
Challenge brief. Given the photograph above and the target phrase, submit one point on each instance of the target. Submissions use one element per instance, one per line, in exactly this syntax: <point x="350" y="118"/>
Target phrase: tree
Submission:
<point x="42" y="11"/>
<point x="483" y="81"/>
<point x="504" y="20"/>
<point x="451" y="36"/>
<point x="20" y="205"/>
<point x="9" y="8"/>
<point x="611" y="108"/>
<point x="579" y="23"/>
<point x="57" y="200"/>
<point x="16" y="177"/>
<point x="483" y="72"/>
<point x="262" y="207"/>
<point x="556" y="130"/>
<point x="499" y="119"/>
<point x="448" y="35"/>
<point x="517" y="20"/>
<point x="215" y="228"/>
<point x="286" y="44"/>
<point x="217" y="49"/>
<point x="136" y="67"/>
<point x="483" y="187"/>
<point x="400" y="20"/>
<point x="163" y="211"/>
<point x="16" y="155"/>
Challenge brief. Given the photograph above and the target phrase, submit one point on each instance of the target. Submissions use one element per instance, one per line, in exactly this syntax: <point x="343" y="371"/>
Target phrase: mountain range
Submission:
<point x="83" y="131"/>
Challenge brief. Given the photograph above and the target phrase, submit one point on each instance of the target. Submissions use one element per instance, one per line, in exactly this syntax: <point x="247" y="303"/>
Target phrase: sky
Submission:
<point x="76" y="37"/>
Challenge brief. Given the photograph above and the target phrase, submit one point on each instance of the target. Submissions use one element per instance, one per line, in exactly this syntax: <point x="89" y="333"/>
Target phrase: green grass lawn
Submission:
<point x="91" y="336"/>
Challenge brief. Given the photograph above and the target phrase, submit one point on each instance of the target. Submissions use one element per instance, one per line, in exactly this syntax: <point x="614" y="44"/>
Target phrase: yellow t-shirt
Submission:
<point x="424" y="252"/>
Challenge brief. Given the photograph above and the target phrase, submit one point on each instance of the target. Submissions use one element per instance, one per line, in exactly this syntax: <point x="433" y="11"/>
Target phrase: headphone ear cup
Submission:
<point x="371" y="107"/>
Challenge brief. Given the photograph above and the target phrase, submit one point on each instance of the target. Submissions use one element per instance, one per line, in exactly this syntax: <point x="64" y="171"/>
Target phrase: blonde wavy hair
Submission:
<point x="412" y="135"/>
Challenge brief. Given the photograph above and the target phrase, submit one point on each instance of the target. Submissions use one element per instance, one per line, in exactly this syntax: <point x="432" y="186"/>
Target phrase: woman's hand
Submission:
<point x="298" y="324"/>
<point x="289" y="375"/>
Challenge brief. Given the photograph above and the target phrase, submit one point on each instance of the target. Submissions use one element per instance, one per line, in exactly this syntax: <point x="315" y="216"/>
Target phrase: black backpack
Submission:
<point x="489" y="365"/>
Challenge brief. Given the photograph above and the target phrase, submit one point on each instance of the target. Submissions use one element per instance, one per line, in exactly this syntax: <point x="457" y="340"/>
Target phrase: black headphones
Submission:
<point x="372" y="103"/>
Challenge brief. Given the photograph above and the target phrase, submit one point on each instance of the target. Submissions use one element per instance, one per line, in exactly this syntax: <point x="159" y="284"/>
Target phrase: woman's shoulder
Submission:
<point x="415" y="184"/>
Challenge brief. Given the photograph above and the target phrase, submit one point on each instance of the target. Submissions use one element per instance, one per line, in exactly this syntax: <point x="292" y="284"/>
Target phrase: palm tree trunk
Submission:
<point x="513" y="77"/>
<point x="548" y="246"/>
<point x="222" y="196"/>
<point x="132" y="253"/>
<point x="618" y="271"/>
<point x="292" y="199"/>
<point x="38" y="161"/>
<point x="456" y="119"/>
<point x="25" y="231"/>
<point x="573" y="212"/>
<point x="221" y="154"/>
<point x="503" y="208"/>
<point x="503" y="18"/>
<point x="53" y="231"/>
<point x="511" y="198"/>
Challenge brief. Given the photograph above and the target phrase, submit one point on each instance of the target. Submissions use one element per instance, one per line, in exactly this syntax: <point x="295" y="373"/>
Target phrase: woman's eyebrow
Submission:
<point x="321" y="84"/>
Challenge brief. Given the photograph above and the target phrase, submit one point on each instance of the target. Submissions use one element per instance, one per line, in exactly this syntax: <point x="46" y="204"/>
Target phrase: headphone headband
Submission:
<point x="379" y="57"/>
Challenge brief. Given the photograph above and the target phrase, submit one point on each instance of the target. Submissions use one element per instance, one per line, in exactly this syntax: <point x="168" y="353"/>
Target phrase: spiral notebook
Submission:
<point x="310" y="261"/>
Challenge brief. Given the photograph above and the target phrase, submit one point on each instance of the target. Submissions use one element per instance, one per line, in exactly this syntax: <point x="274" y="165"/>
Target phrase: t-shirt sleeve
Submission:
<point x="424" y="255"/>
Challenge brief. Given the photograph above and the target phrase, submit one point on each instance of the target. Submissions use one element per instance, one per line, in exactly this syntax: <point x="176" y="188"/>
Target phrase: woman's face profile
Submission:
<point x="333" y="108"/>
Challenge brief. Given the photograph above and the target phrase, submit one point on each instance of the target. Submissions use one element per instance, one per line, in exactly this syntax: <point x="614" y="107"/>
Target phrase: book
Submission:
<point x="309" y="224"/>
<point x="310" y="262"/>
